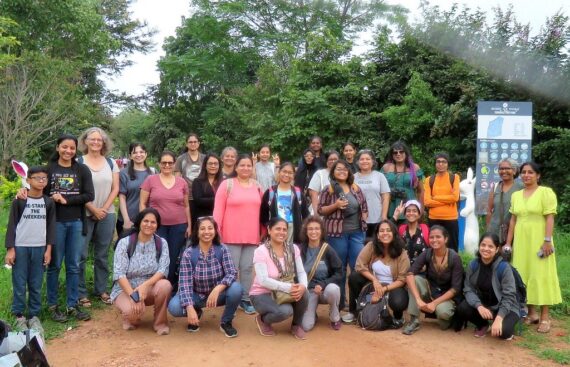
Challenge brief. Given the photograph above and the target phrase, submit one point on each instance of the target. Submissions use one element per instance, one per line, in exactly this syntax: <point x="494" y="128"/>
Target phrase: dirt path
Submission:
<point x="102" y="342"/>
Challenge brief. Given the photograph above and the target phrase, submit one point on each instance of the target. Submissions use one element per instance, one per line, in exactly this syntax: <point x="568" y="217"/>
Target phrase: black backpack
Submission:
<point x="373" y="316"/>
<point x="132" y="235"/>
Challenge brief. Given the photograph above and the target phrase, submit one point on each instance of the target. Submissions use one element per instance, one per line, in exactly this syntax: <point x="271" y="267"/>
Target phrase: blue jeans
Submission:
<point x="347" y="247"/>
<point x="100" y="234"/>
<point x="68" y="244"/>
<point x="230" y="297"/>
<point x="28" y="270"/>
<point x="174" y="236"/>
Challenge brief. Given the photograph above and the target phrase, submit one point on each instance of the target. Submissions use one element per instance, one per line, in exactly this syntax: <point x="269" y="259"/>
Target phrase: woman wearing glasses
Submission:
<point x="189" y="163"/>
<point x="404" y="177"/>
<point x="168" y="194"/>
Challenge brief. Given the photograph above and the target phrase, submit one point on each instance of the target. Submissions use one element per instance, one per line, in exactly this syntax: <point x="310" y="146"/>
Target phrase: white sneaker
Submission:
<point x="35" y="324"/>
<point x="347" y="318"/>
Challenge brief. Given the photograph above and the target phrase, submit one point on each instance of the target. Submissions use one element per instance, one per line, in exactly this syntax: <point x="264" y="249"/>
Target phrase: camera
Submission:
<point x="399" y="194"/>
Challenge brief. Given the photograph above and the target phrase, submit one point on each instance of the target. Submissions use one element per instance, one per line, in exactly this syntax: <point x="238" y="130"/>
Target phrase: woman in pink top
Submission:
<point x="168" y="194"/>
<point x="236" y="210"/>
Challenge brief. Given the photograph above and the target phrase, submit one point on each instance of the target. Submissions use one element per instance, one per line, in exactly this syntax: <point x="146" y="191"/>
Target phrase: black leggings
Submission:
<point x="468" y="313"/>
<point x="398" y="300"/>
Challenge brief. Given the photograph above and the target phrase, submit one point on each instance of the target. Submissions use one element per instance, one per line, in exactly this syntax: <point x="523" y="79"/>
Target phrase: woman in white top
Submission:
<point x="320" y="179"/>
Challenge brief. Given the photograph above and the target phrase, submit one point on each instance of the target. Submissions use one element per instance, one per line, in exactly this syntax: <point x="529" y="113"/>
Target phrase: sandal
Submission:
<point x="544" y="327"/>
<point x="85" y="302"/>
<point x="105" y="298"/>
<point x="531" y="320"/>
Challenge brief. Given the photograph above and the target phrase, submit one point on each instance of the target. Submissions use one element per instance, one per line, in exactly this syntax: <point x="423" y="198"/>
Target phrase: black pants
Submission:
<point x="452" y="227"/>
<point x="468" y="313"/>
<point x="398" y="300"/>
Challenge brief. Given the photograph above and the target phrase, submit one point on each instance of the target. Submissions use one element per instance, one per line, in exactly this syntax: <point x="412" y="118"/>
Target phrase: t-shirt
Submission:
<point x="351" y="221"/>
<point x="103" y="184"/>
<point x="373" y="185"/>
<point x="74" y="183"/>
<point x="131" y="189"/>
<point x="265" y="174"/>
<point x="189" y="169"/>
<point x="320" y="180"/>
<point x="322" y="271"/>
<point x="31" y="229"/>
<point x="169" y="202"/>
<point x="284" y="205"/>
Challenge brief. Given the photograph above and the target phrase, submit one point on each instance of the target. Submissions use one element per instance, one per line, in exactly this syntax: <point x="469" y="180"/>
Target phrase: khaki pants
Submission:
<point x="444" y="311"/>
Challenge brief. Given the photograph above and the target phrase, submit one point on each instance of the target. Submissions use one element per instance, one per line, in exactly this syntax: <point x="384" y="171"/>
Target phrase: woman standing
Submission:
<point x="304" y="174"/>
<point x="285" y="201"/>
<point x="490" y="292"/>
<point x="130" y="180"/>
<point x="266" y="171"/>
<point x="205" y="186"/>
<point x="95" y="145"/>
<point x="532" y="225"/>
<point x="324" y="270"/>
<point x="434" y="292"/>
<point x="229" y="156"/>
<point x="384" y="263"/>
<point x="441" y="196"/>
<point x="344" y="208"/>
<point x="403" y="175"/>
<point x="276" y="263"/>
<point x="207" y="279"/>
<point x="375" y="189"/>
<point x="140" y="266"/>
<point x="320" y="179"/>
<point x="349" y="153"/>
<point x="188" y="164"/>
<point x="236" y="210"/>
<point x="70" y="186"/>
<point x="168" y="194"/>
<point x="498" y="216"/>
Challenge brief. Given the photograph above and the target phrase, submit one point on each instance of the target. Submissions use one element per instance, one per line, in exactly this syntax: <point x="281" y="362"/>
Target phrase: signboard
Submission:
<point x="504" y="130"/>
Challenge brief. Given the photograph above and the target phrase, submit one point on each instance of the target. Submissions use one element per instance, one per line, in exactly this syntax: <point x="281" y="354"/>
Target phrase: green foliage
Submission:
<point x="8" y="190"/>
<point x="7" y="43"/>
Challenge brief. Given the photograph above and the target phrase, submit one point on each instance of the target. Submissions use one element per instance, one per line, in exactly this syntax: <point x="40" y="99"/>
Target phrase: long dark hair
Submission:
<point x="131" y="166"/>
<point x="409" y="162"/>
<point x="272" y="222"/>
<point x="349" y="179"/>
<point x="142" y="214"/>
<point x="195" y="241"/>
<point x="55" y="156"/>
<point x="202" y="178"/>
<point x="395" y="247"/>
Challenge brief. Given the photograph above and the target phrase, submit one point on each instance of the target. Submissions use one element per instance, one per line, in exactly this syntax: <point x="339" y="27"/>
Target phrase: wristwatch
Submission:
<point x="547" y="239"/>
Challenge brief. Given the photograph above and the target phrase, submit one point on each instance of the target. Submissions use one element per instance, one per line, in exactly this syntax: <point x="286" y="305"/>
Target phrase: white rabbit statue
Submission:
<point x="21" y="170"/>
<point x="467" y="190"/>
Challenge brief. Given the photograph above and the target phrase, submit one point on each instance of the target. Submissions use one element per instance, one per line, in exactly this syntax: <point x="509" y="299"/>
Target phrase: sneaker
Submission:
<point x="398" y="323"/>
<point x="228" y="329"/>
<point x="78" y="314"/>
<point x="348" y="318"/>
<point x="56" y="315"/>
<point x="193" y="328"/>
<point x="510" y="338"/>
<point x="264" y="329"/>
<point x="298" y="332"/>
<point x="21" y="323"/>
<point x="412" y="326"/>
<point x="481" y="332"/>
<point x="35" y="324"/>
<point x="247" y="307"/>
<point x="335" y="325"/>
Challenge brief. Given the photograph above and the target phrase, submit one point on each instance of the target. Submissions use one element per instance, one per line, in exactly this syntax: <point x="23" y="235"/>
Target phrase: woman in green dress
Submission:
<point x="404" y="177"/>
<point x="532" y="225"/>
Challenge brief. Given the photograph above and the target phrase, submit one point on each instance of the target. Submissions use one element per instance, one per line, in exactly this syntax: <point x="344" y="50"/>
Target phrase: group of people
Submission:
<point x="274" y="238"/>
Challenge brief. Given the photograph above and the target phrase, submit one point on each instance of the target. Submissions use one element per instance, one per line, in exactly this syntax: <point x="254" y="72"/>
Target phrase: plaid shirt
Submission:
<point x="206" y="276"/>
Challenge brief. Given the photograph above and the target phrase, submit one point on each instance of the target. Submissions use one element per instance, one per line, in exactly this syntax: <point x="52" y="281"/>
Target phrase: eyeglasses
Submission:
<point x="208" y="217"/>
<point x="397" y="152"/>
<point x="167" y="163"/>
<point x="193" y="141"/>
<point x="341" y="170"/>
<point x="212" y="164"/>
<point x="441" y="161"/>
<point x="39" y="178"/>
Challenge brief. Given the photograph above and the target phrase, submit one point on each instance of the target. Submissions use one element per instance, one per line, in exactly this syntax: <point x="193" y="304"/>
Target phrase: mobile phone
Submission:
<point x="541" y="253"/>
<point x="135" y="296"/>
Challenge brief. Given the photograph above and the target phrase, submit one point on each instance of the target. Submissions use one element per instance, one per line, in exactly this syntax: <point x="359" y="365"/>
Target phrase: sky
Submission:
<point x="164" y="16"/>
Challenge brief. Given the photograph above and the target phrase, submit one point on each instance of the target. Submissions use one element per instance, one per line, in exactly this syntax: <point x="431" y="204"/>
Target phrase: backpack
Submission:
<point x="109" y="161"/>
<point x="194" y="256"/>
<point x="432" y="180"/>
<point x="373" y="316"/>
<point x="520" y="287"/>
<point x="230" y="185"/>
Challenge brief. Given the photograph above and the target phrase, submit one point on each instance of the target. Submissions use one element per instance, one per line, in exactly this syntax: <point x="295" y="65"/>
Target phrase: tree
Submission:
<point x="7" y="43"/>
